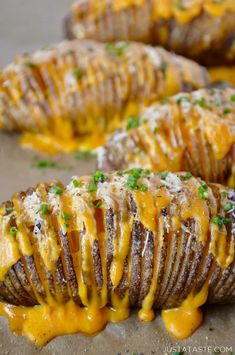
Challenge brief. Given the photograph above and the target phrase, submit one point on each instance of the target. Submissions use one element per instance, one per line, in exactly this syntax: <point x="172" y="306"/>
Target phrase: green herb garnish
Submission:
<point x="164" y="175"/>
<point x="76" y="183"/>
<point x="232" y="98"/>
<point x="163" y="67"/>
<point x="67" y="216"/>
<point x="228" y="207"/>
<point x="220" y="221"/>
<point x="29" y="65"/>
<point x="78" y="73"/>
<point x="66" y="225"/>
<point x="92" y="187"/>
<point x="45" y="164"/>
<point x="224" y="194"/>
<point x="185" y="177"/>
<point x="56" y="190"/>
<point x="84" y="155"/>
<point x="13" y="231"/>
<point x="182" y="99"/>
<point x="133" y="122"/>
<point x="117" y="48"/>
<point x="226" y="110"/>
<point x="97" y="204"/>
<point x="99" y="176"/>
<point x="202" y="191"/>
<point x="44" y="209"/>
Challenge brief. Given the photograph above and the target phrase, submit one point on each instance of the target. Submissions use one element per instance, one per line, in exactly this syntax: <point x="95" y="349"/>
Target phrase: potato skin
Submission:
<point x="137" y="23"/>
<point x="185" y="125"/>
<point x="184" y="262"/>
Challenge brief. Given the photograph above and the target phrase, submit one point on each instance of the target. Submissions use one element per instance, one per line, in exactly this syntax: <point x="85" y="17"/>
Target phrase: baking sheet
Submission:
<point x="26" y="25"/>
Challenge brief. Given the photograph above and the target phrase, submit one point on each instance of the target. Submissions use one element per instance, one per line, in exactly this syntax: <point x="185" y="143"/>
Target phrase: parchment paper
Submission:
<point x="26" y="25"/>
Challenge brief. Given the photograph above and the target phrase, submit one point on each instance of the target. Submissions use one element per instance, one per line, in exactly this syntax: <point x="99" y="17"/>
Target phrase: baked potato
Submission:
<point x="189" y="131"/>
<point x="88" y="252"/>
<point x="203" y="30"/>
<point x="71" y="95"/>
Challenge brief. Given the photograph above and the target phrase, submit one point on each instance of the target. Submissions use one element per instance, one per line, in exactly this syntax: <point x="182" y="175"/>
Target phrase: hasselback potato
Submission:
<point x="193" y="131"/>
<point x="203" y="29"/>
<point x="110" y="242"/>
<point x="60" y="96"/>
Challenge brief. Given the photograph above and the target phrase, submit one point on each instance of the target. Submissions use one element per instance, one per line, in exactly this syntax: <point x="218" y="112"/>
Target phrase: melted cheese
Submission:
<point x="183" y="11"/>
<point x="84" y="229"/>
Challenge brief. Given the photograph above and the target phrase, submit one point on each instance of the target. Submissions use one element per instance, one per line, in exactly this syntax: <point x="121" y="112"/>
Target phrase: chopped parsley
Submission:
<point x="56" y="190"/>
<point x="202" y="103"/>
<point x="66" y="216"/>
<point x="202" y="191"/>
<point x="84" y="155"/>
<point x="13" y="231"/>
<point x="232" y="98"/>
<point x="228" y="207"/>
<point x="164" y="175"/>
<point x="133" y="122"/>
<point x="220" y="221"/>
<point x="76" y="183"/>
<point x="47" y="163"/>
<point x="163" y="67"/>
<point x="224" y="194"/>
<point x="92" y="187"/>
<point x="185" y="177"/>
<point x="97" y="204"/>
<point x="44" y="209"/>
<point x="78" y="73"/>
<point x="117" y="48"/>
<point x="9" y="209"/>
<point x="99" y="176"/>
<point x="226" y="110"/>
<point x="29" y="65"/>
<point x="66" y="225"/>
<point x="182" y="99"/>
<point x="134" y="175"/>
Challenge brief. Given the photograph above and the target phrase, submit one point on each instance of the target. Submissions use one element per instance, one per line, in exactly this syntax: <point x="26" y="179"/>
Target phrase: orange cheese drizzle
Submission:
<point x="42" y="323"/>
<point x="166" y="9"/>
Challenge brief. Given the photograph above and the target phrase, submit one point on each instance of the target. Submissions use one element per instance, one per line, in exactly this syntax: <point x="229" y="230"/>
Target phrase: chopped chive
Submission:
<point x="13" y="231"/>
<point x="182" y="99"/>
<point x="56" y="190"/>
<point x="92" y="187"/>
<point x="226" y="110"/>
<point x="66" y="225"/>
<point x="163" y="67"/>
<point x="228" y="207"/>
<point x="224" y="194"/>
<point x="66" y="216"/>
<point x="78" y="73"/>
<point x="164" y="175"/>
<point x="76" y="183"/>
<point x="84" y="155"/>
<point x="97" y="204"/>
<point x="45" y="164"/>
<point x="202" y="191"/>
<point x="29" y="65"/>
<point x="99" y="176"/>
<point x="117" y="48"/>
<point x="44" y="209"/>
<point x="133" y="122"/>
<point x="220" y="221"/>
<point x="9" y="209"/>
<point x="185" y="177"/>
<point x="143" y="188"/>
<point x="232" y="98"/>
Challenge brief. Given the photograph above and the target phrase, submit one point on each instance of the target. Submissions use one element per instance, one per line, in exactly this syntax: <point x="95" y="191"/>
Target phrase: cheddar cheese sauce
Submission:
<point x="75" y="258"/>
<point x="71" y="95"/>
<point x="193" y="132"/>
<point x="183" y="11"/>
